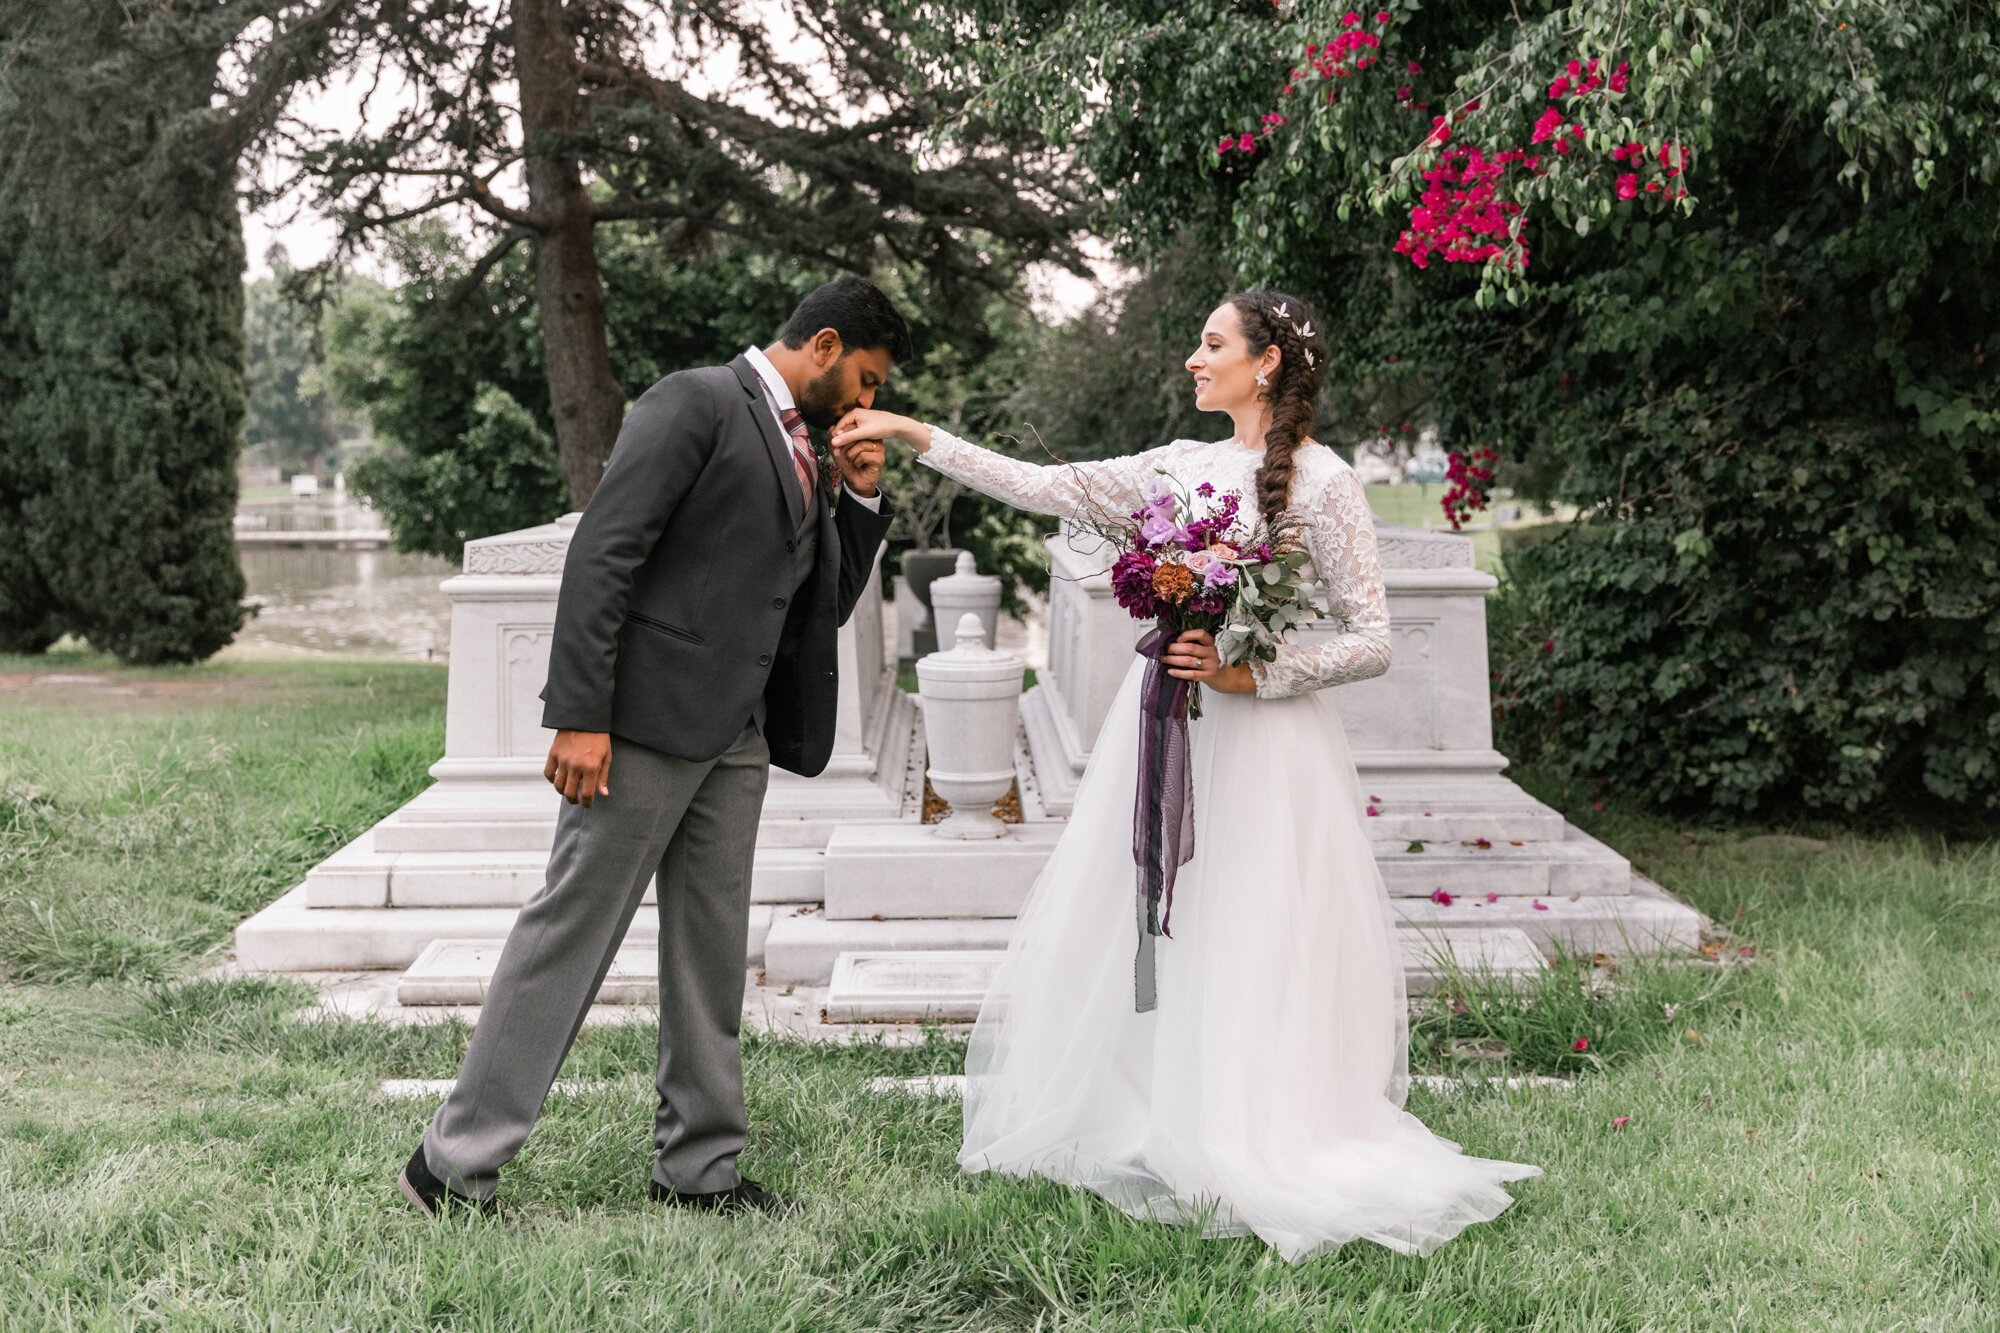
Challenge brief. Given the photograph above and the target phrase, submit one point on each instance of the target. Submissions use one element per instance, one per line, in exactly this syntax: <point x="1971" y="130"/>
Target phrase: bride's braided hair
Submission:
<point x="1274" y="318"/>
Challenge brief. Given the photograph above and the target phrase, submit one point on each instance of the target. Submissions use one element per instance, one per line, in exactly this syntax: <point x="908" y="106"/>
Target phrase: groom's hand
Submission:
<point x="860" y="463"/>
<point x="580" y="765"/>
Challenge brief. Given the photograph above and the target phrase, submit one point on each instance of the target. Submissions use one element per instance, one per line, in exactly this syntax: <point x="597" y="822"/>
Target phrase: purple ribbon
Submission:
<point x="1163" y="807"/>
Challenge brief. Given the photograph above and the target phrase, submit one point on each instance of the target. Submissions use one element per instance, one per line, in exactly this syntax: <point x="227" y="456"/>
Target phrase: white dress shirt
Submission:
<point x="778" y="395"/>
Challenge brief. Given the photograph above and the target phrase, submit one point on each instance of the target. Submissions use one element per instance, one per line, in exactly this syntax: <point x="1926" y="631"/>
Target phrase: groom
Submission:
<point x="694" y="642"/>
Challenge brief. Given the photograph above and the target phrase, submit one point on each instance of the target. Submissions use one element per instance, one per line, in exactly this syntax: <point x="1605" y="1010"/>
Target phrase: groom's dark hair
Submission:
<point x="856" y="309"/>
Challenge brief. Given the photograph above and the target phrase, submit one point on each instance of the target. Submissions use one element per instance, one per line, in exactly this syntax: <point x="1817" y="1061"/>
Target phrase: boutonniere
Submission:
<point x="829" y="480"/>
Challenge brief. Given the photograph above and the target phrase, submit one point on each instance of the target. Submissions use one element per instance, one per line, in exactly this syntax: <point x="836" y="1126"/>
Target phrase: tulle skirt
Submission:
<point x="1264" y="1094"/>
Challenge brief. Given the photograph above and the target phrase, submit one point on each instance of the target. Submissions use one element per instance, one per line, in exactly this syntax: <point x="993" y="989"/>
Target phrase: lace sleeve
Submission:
<point x="1340" y="536"/>
<point x="1107" y="490"/>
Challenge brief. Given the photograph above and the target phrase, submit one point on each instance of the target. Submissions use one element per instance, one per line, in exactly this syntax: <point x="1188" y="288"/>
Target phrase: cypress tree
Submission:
<point x="28" y="621"/>
<point x="124" y="340"/>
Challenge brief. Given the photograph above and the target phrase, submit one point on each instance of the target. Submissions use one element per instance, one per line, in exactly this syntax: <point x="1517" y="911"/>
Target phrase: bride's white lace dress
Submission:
<point x="1265" y="1092"/>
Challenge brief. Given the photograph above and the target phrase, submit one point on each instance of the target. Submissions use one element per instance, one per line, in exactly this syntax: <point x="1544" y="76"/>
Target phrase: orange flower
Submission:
<point x="1174" y="583"/>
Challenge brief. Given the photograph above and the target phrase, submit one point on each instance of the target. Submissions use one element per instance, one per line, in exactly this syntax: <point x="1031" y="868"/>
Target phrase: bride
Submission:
<point x="1264" y="1092"/>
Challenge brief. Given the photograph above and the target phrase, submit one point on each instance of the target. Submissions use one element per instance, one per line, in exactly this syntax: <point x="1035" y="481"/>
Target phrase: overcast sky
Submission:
<point x="309" y="237"/>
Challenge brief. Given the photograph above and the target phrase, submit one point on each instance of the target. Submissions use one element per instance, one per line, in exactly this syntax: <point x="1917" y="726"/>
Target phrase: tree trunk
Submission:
<point x="586" y="397"/>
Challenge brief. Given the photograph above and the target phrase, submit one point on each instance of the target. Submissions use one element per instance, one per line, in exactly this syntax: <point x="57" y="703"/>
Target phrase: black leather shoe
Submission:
<point x="431" y="1196"/>
<point x="746" y="1195"/>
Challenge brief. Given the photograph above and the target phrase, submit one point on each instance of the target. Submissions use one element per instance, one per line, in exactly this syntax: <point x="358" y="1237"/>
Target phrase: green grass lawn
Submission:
<point x="1810" y="1142"/>
<point x="1416" y="505"/>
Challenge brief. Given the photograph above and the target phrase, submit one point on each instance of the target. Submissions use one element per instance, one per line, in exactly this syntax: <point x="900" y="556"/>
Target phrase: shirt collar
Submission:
<point x="774" y="383"/>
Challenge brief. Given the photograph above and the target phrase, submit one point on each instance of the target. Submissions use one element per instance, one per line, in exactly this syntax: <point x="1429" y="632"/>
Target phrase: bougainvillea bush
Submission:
<point x="1719" y="275"/>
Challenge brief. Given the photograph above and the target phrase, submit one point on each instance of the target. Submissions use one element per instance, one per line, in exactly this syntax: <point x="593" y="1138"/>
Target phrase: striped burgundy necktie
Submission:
<point x="802" y="457"/>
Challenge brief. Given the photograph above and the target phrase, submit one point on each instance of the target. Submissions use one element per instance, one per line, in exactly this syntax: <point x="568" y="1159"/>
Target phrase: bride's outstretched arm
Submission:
<point x="1106" y="490"/>
<point x="1340" y="536"/>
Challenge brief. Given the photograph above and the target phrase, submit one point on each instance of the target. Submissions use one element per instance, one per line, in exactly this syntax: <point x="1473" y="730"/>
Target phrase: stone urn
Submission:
<point x="972" y="703"/>
<point x="923" y="568"/>
<point x="965" y="590"/>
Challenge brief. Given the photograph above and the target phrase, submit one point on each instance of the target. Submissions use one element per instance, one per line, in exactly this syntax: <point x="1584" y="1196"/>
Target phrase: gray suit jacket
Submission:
<point x="678" y="607"/>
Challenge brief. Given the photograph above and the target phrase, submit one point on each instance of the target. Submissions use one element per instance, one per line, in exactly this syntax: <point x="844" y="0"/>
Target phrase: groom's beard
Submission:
<point x="820" y="403"/>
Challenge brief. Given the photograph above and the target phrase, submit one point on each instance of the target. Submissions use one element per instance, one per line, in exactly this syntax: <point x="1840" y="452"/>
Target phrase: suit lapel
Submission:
<point x="775" y="444"/>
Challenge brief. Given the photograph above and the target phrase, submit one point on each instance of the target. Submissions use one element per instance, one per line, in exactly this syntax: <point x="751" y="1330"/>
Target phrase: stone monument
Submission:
<point x="851" y="886"/>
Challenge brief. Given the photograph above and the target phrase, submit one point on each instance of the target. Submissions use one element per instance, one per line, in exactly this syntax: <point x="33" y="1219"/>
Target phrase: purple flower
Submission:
<point x="1207" y="488"/>
<point x="1159" y="531"/>
<point x="1219" y="575"/>
<point x="1132" y="584"/>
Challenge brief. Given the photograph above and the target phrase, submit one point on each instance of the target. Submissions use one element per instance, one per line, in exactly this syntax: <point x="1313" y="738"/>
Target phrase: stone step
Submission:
<point x="947" y="986"/>
<point x="537" y="834"/>
<point x="1577" y="864"/>
<point x="1645" y="920"/>
<point x="1447" y="809"/>
<point x="360" y="876"/>
<point x="804" y="942"/>
<point x="906" y="871"/>
<point x="290" y="936"/>
<point x="910" y="986"/>
<point x="457" y="972"/>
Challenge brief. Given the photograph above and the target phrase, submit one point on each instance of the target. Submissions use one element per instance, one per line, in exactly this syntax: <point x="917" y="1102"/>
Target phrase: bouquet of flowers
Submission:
<point x="1186" y="562"/>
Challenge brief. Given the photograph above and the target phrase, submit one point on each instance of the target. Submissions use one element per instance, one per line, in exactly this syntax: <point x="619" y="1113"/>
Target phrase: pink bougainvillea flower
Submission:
<point x="1492" y="897"/>
<point x="1246" y="142"/>
<point x="1558" y="88"/>
<point x="1548" y="645"/>
<point x="1372" y="812"/>
<point x="1652" y="187"/>
<point x="1381" y="16"/>
<point x="1415" y="68"/>
<point x="1546" y="127"/>
<point x="1620" y="1121"/>
<point x="1581" y="1044"/>
<point x="1538" y="904"/>
<point x="1350" y="19"/>
<point x="1374" y="798"/>
<point x="1440" y="897"/>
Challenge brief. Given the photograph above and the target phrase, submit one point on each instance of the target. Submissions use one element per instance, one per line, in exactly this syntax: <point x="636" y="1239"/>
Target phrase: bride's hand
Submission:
<point x="868" y="424"/>
<point x="1193" y="656"/>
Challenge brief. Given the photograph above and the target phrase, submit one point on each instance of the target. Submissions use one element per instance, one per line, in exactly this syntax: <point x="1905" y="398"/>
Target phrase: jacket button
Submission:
<point x="763" y="659"/>
<point x="778" y="602"/>
<point x="791" y="546"/>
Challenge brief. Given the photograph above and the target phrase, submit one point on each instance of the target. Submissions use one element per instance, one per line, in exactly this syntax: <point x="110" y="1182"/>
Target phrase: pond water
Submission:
<point x="366" y="603"/>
